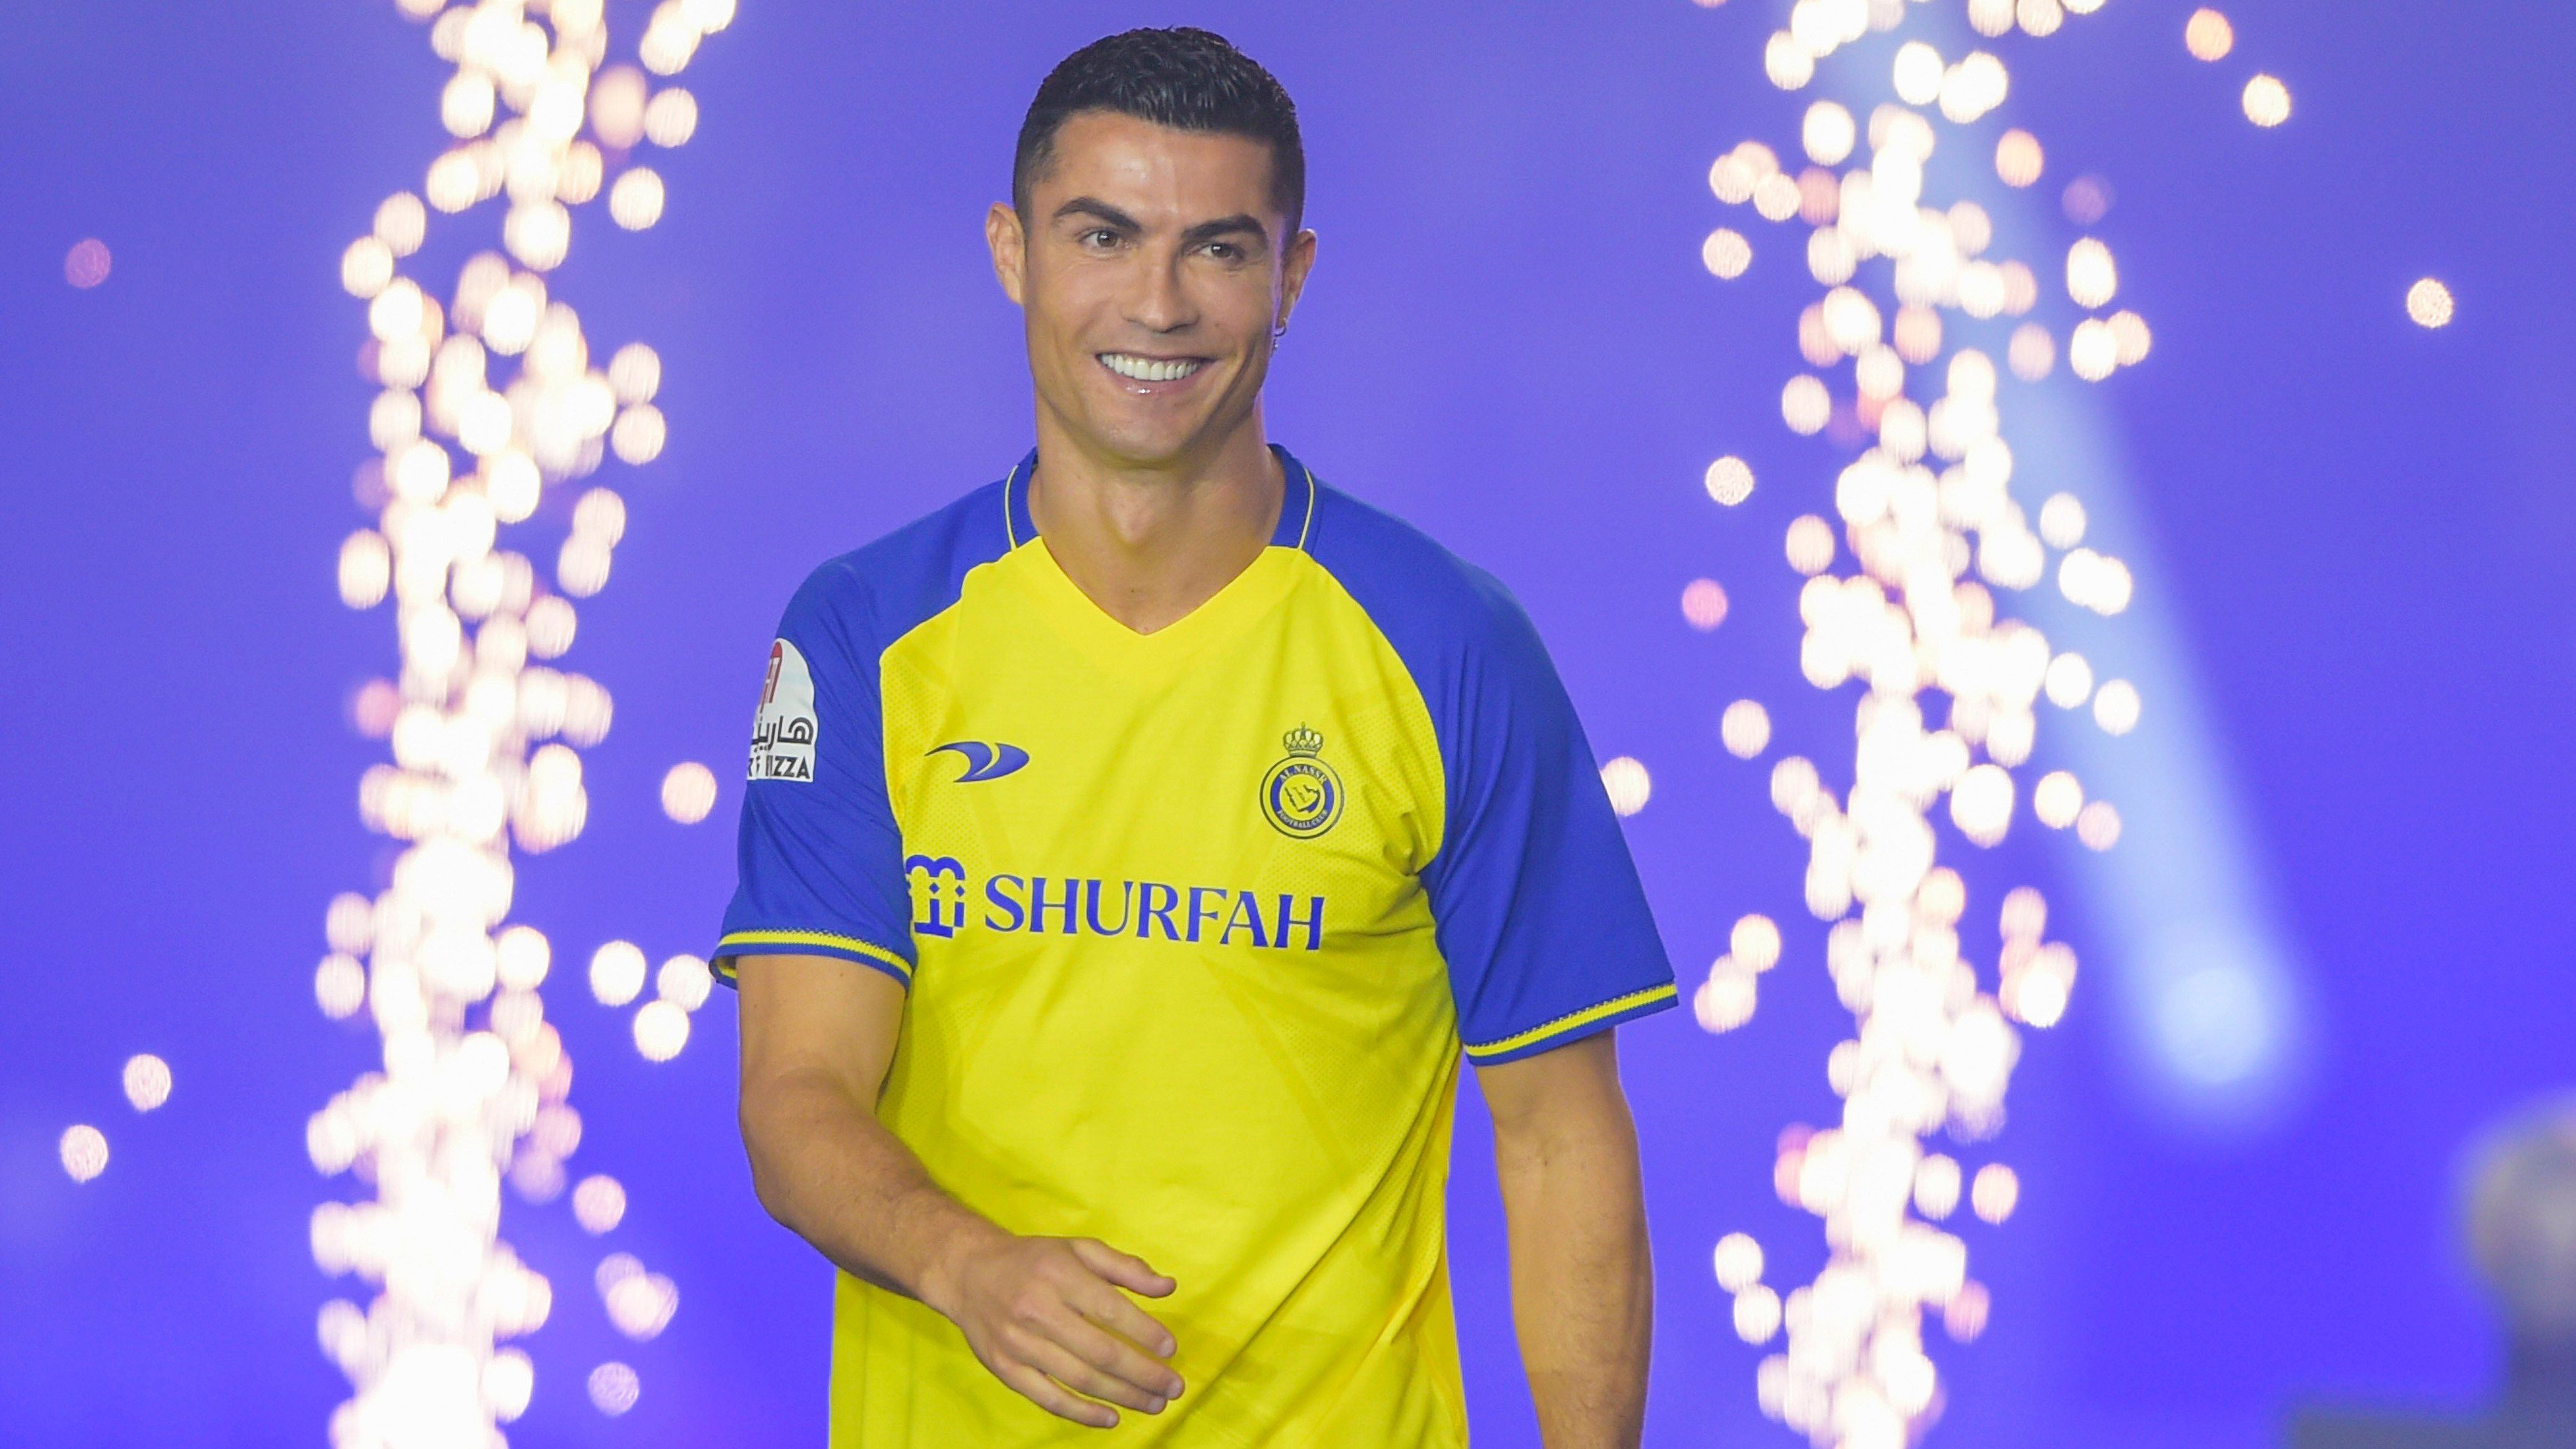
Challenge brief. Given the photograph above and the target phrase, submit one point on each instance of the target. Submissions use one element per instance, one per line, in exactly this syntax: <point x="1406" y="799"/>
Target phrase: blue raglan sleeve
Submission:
<point x="819" y="856"/>
<point x="1541" y="916"/>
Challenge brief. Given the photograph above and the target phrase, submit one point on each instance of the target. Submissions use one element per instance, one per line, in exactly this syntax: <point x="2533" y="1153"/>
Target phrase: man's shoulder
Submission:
<point x="1417" y="592"/>
<point x="878" y="592"/>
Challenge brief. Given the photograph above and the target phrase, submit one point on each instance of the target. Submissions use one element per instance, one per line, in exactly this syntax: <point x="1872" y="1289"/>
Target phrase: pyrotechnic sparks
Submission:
<point x="491" y="401"/>
<point x="1934" y="534"/>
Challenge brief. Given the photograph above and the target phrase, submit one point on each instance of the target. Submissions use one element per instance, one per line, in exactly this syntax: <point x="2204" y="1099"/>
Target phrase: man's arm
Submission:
<point x="1582" y="1284"/>
<point x="1045" y="1315"/>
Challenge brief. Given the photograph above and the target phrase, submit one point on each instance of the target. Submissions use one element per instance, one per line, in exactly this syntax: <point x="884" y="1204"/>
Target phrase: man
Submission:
<point x="1132" y="847"/>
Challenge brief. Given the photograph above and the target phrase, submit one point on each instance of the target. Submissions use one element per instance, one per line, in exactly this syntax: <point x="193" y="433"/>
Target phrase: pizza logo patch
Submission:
<point x="783" y="734"/>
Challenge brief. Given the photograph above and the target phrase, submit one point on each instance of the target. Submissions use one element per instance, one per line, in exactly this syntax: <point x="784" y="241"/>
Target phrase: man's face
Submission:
<point x="1153" y="269"/>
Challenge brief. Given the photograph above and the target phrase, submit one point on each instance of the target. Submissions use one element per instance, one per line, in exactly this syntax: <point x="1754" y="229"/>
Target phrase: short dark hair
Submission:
<point x="1184" y="78"/>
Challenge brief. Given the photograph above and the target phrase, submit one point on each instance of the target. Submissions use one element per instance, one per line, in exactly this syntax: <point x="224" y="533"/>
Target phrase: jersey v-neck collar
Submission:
<point x="1296" y="508"/>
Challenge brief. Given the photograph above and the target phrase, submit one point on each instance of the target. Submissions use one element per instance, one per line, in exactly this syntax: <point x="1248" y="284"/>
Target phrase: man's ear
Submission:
<point x="1296" y="266"/>
<point x="1010" y="246"/>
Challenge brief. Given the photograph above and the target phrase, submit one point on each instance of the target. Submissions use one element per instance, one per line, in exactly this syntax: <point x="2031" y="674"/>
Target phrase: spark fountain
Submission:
<point x="1934" y="546"/>
<point x="491" y="413"/>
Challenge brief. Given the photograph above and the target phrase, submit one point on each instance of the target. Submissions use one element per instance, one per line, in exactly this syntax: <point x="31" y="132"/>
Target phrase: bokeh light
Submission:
<point x="2208" y="36"/>
<point x="1729" y="480"/>
<point x="1995" y="1193"/>
<point x="1628" y="784"/>
<point x="617" y="973"/>
<point x="1757" y="1314"/>
<point x="671" y="117"/>
<point x="1828" y="133"/>
<point x="640" y="1305"/>
<point x="1738" y="1262"/>
<point x="1810" y="544"/>
<point x="1754" y="943"/>
<point x="2098" y="825"/>
<point x="599" y="1203"/>
<point x="688" y="792"/>
<point x="1745" y="728"/>
<point x="147" y="1081"/>
<point x="2055" y="800"/>
<point x="1917" y="73"/>
<point x="684" y="981"/>
<point x="84" y="1151"/>
<point x="661" y="1029"/>
<point x="2093" y="352"/>
<point x="2032" y="353"/>
<point x="1788" y="64"/>
<point x="2069" y="681"/>
<point x="2092" y="279"/>
<point x="1964" y="1316"/>
<point x="339" y="986"/>
<point x="1805" y="405"/>
<point x="635" y="200"/>
<point x="1727" y="998"/>
<point x="2115" y="706"/>
<point x="2087" y="199"/>
<point x="1777" y="197"/>
<point x="614" y="1388"/>
<point x="2130" y="337"/>
<point x="1704" y="604"/>
<point x="2428" y="303"/>
<point x="1726" y="253"/>
<point x="638" y="434"/>
<point x="635" y="373"/>
<point x="2267" y="101"/>
<point x="1981" y="803"/>
<point x="87" y="263"/>
<point x="2018" y="158"/>
<point x="366" y="267"/>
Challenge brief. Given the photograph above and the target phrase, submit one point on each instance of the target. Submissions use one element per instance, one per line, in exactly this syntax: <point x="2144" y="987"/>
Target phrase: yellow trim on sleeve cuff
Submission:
<point x="732" y="946"/>
<point x="1563" y="1024"/>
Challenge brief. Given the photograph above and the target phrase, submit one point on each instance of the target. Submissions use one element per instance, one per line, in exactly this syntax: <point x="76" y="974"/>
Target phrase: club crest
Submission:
<point x="1301" y="796"/>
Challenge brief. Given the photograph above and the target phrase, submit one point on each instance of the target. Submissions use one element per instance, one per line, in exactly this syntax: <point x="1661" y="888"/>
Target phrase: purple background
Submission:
<point x="2362" y="526"/>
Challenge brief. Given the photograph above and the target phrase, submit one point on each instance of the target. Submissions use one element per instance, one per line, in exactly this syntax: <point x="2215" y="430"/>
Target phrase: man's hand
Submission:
<point x="1582" y="1285"/>
<point x="1046" y="1315"/>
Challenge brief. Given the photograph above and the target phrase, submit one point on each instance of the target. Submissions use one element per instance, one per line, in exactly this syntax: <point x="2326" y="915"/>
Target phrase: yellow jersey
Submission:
<point x="1196" y="926"/>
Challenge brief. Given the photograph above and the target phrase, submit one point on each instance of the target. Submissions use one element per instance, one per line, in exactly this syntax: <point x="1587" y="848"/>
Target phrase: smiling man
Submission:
<point x="1135" y="847"/>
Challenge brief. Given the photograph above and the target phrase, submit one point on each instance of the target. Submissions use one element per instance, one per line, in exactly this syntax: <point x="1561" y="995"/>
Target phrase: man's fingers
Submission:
<point x="1071" y="1367"/>
<point x="1125" y="1270"/>
<point x="1034" y="1386"/>
<point x="1115" y="1350"/>
<point x="1112" y="1310"/>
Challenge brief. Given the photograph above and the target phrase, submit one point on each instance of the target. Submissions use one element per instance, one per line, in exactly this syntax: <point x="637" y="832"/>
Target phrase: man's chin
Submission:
<point x="1136" y="444"/>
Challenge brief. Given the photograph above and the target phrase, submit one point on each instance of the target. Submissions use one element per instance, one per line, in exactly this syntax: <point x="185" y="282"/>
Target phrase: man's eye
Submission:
<point x="1100" y="237"/>
<point x="1225" y="251"/>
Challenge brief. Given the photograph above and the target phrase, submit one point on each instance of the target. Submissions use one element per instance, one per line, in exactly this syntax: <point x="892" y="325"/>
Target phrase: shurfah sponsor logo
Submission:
<point x="947" y="902"/>
<point x="783" y="734"/>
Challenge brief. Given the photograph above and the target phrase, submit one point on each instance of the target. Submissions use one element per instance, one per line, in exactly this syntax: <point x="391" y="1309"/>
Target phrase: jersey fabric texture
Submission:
<point x="1195" y="926"/>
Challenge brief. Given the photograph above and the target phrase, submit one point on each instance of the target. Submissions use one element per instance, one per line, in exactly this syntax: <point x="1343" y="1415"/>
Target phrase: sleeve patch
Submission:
<point x="783" y="734"/>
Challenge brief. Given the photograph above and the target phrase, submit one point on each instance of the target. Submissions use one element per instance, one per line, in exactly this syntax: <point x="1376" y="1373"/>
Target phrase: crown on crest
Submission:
<point x="1303" y="741"/>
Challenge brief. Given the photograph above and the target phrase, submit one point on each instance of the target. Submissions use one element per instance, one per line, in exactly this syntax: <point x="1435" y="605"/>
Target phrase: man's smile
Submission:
<point x="1150" y="369"/>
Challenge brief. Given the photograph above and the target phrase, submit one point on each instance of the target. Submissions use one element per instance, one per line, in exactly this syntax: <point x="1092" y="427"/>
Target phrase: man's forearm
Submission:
<point x="831" y="1172"/>
<point x="1582" y="1280"/>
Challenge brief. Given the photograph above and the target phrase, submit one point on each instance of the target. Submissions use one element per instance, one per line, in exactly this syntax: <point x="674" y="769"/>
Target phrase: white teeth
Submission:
<point x="1147" y="369"/>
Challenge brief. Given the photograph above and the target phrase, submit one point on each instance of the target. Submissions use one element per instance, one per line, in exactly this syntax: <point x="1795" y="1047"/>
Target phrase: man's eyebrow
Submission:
<point x="1234" y="225"/>
<point x="1099" y="210"/>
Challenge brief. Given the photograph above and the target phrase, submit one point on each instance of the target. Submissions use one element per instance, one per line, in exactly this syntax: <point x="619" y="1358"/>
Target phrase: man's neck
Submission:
<point x="1149" y="545"/>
